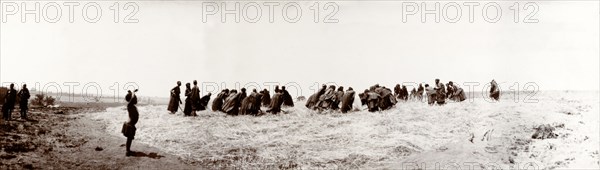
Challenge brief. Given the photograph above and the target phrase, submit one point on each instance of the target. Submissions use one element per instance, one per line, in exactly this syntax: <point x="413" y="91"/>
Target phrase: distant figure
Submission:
<point x="232" y="103"/>
<point x="266" y="99"/>
<point x="449" y="90"/>
<point x="196" y="106"/>
<point x="440" y="92"/>
<point x="373" y="100"/>
<point x="387" y="100"/>
<point x="312" y="101"/>
<point x="251" y="104"/>
<point x="494" y="90"/>
<point x="431" y="94"/>
<point x="175" y="98"/>
<point x="242" y="95"/>
<point x="276" y="102"/>
<point x="24" y="101"/>
<point x="129" y="126"/>
<point x="420" y="91"/>
<point x="326" y="100"/>
<point x="339" y="94"/>
<point x="413" y="94"/>
<point x="398" y="91"/>
<point x="404" y="93"/>
<point x="458" y="93"/>
<point x="9" y="103"/>
<point x="347" y="100"/>
<point x="364" y="97"/>
<point x="217" y="103"/>
<point x="204" y="101"/>
<point x="187" y="109"/>
<point x="287" y="98"/>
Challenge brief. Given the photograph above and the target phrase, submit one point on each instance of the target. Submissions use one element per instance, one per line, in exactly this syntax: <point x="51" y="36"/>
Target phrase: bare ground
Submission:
<point x="63" y="138"/>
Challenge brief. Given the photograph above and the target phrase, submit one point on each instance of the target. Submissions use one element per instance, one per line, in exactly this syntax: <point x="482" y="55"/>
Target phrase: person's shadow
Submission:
<point x="152" y="155"/>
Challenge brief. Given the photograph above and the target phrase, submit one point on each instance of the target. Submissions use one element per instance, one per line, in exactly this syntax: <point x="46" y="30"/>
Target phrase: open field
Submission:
<point x="411" y="135"/>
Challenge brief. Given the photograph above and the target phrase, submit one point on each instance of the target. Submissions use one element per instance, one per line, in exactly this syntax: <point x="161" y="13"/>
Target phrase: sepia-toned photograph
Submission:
<point x="300" y="84"/>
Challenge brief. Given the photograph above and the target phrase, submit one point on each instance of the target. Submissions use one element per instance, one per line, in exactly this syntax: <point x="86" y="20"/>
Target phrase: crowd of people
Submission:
<point x="376" y="98"/>
<point x="329" y="98"/>
<point x="230" y="102"/>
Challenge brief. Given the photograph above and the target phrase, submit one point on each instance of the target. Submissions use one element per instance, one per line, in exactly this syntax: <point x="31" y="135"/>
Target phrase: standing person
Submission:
<point x="175" y="99"/>
<point x="398" y="91"/>
<point x="24" y="101"/>
<point x="287" y="98"/>
<point x="494" y="90"/>
<point x="187" y="109"/>
<point x="420" y="91"/>
<point x="440" y="92"/>
<point x="347" y="100"/>
<point x="129" y="126"/>
<point x="196" y="106"/>
<point x="9" y="104"/>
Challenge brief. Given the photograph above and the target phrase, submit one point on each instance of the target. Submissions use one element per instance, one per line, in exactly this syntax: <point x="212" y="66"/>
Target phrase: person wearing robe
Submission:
<point x="196" y="106"/>
<point x="420" y="92"/>
<point x="339" y="94"/>
<point x="24" y="101"/>
<point x="287" y="98"/>
<point x="494" y="90"/>
<point x="232" y="103"/>
<point x="312" y="101"/>
<point x="266" y="98"/>
<point x="347" y="100"/>
<point x="326" y="100"/>
<point x="276" y="102"/>
<point x="387" y="100"/>
<point x="372" y="101"/>
<point x="364" y="97"/>
<point x="440" y="92"/>
<point x="175" y="98"/>
<point x="449" y="90"/>
<point x="218" y="101"/>
<point x="187" y="109"/>
<point x="404" y="93"/>
<point x="251" y="104"/>
<point x="129" y="126"/>
<point x="242" y="95"/>
<point x="413" y="94"/>
<point x="431" y="94"/>
<point x="398" y="91"/>
<point x="204" y="101"/>
<point x="9" y="103"/>
<point x="458" y="93"/>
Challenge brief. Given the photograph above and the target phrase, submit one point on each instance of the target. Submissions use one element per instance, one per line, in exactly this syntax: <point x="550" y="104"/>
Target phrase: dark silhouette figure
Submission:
<point x="287" y="98"/>
<point x="266" y="99"/>
<point x="175" y="98"/>
<point x="187" y="109"/>
<point x="494" y="90"/>
<point x="129" y="126"/>
<point x="218" y="101"/>
<point x="276" y="102"/>
<point x="24" y="101"/>
<point x="9" y="103"/>
<point x="347" y="100"/>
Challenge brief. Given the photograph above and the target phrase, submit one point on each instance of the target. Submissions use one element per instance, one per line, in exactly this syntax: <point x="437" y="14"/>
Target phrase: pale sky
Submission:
<point x="370" y="44"/>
